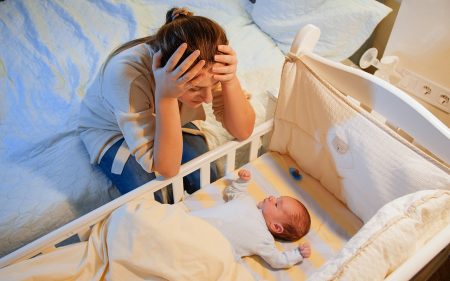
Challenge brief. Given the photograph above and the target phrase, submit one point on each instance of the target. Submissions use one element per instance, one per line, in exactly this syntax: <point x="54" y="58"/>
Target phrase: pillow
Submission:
<point x="397" y="231"/>
<point x="345" y="24"/>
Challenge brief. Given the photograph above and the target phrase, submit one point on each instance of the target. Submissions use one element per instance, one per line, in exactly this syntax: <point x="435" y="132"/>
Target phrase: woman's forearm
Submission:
<point x="238" y="116"/>
<point x="168" y="142"/>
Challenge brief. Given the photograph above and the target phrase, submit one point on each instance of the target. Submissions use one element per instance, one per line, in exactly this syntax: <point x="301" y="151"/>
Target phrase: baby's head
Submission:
<point x="286" y="217"/>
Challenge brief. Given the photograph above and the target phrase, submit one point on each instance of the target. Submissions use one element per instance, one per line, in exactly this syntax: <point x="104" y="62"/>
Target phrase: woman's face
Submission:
<point x="201" y="93"/>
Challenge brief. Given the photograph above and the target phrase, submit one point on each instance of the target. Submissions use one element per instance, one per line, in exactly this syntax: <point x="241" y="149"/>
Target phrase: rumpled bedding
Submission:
<point x="50" y="52"/>
<point x="142" y="240"/>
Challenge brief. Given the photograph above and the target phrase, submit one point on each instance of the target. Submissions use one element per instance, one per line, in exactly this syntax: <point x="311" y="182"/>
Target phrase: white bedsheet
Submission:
<point x="49" y="54"/>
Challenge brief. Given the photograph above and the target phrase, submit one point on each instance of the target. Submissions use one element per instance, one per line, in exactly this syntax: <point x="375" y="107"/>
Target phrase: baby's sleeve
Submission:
<point x="278" y="259"/>
<point x="236" y="189"/>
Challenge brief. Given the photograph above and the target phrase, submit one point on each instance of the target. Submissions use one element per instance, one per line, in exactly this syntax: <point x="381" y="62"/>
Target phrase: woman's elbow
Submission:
<point x="243" y="134"/>
<point x="167" y="171"/>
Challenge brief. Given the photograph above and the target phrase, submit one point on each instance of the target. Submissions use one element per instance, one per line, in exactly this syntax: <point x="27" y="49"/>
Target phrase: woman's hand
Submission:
<point x="226" y="64"/>
<point x="238" y="114"/>
<point x="172" y="82"/>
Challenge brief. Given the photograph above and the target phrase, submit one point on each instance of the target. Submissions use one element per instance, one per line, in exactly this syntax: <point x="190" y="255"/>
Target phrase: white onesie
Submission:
<point x="243" y="224"/>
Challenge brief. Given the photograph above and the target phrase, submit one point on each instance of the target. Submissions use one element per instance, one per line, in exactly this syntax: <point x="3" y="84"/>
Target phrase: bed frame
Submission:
<point x="373" y="93"/>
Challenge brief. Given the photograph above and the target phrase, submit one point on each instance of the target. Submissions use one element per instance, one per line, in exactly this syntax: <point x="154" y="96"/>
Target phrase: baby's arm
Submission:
<point x="238" y="187"/>
<point x="286" y="259"/>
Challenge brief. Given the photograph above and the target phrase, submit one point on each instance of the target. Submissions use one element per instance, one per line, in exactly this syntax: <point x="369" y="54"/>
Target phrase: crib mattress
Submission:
<point x="332" y="224"/>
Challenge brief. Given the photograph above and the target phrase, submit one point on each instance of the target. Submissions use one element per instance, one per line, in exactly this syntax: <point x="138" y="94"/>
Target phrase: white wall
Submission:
<point x="383" y="30"/>
<point x="421" y="39"/>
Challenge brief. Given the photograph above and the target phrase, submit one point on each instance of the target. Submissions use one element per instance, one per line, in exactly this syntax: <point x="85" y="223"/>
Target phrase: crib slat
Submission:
<point x="231" y="162"/>
<point x="254" y="147"/>
<point x="205" y="173"/>
<point x="177" y="186"/>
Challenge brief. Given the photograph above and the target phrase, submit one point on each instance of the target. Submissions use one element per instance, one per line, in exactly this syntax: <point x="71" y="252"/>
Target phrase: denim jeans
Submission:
<point x="133" y="175"/>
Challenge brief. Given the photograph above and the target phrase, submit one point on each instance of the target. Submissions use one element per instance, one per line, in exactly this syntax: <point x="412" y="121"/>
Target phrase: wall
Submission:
<point x="380" y="36"/>
<point x="383" y="30"/>
<point x="421" y="39"/>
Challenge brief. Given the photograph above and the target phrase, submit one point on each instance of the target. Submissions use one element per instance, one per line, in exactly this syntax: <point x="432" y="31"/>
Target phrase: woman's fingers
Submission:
<point x="156" y="60"/>
<point x="226" y="59"/>
<point x="175" y="57"/>
<point x="194" y="76"/>
<point x="227" y="56"/>
<point x="226" y="49"/>
<point x="226" y="63"/>
<point x="186" y="64"/>
<point x="223" y="72"/>
<point x="223" y="78"/>
<point x="223" y="69"/>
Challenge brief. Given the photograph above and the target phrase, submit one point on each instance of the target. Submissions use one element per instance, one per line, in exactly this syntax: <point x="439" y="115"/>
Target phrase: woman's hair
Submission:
<point x="182" y="26"/>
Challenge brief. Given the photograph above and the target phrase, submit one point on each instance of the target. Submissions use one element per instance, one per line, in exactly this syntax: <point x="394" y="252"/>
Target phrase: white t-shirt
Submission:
<point x="120" y="103"/>
<point x="243" y="224"/>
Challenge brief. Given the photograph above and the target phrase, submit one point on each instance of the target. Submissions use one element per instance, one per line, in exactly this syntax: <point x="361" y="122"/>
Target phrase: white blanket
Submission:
<point x="142" y="240"/>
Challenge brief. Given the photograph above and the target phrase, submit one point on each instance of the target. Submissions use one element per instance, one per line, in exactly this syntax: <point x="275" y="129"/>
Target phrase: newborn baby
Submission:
<point x="252" y="227"/>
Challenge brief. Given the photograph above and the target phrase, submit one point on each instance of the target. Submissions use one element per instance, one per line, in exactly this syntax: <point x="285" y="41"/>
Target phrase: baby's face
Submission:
<point x="277" y="209"/>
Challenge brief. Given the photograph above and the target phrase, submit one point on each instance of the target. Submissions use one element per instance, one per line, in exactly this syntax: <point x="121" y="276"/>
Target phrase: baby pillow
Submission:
<point x="396" y="232"/>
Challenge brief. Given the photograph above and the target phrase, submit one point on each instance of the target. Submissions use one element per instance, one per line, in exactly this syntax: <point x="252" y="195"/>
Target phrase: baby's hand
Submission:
<point x="244" y="175"/>
<point x="305" y="250"/>
<point x="225" y="64"/>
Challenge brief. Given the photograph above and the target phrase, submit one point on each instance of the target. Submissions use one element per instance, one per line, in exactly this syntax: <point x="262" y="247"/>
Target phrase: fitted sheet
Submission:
<point x="332" y="224"/>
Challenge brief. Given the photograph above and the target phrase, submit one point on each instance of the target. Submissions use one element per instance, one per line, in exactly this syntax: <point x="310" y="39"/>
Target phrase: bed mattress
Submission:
<point x="332" y="224"/>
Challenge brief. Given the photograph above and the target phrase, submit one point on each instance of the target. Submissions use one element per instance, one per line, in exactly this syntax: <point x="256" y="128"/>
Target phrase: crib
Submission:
<point x="361" y="116"/>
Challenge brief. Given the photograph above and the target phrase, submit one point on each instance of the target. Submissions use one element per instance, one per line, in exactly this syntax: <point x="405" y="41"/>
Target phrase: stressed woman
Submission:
<point x="136" y="117"/>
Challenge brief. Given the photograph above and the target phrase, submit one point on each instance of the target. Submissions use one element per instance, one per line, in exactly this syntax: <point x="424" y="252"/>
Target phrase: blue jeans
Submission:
<point x="133" y="175"/>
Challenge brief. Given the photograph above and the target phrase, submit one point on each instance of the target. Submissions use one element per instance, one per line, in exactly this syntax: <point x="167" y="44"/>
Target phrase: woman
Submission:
<point x="148" y="89"/>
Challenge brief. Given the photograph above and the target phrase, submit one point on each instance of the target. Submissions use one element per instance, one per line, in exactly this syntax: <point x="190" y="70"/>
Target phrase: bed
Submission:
<point x="375" y="167"/>
<point x="50" y="53"/>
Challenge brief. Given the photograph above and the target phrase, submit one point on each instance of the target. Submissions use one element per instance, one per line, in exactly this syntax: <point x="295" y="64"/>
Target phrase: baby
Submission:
<point x="251" y="227"/>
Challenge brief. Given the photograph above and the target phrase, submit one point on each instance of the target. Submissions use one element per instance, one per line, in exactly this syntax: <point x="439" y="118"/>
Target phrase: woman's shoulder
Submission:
<point x="132" y="62"/>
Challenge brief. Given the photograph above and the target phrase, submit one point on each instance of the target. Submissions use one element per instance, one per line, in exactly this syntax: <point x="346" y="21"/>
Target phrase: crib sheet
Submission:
<point x="332" y="224"/>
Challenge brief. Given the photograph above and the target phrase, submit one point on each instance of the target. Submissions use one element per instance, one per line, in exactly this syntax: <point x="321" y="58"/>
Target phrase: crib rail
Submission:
<point x="425" y="256"/>
<point x="81" y="226"/>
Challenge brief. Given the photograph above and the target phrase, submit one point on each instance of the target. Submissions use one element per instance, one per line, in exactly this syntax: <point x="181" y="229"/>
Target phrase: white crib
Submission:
<point x="405" y="117"/>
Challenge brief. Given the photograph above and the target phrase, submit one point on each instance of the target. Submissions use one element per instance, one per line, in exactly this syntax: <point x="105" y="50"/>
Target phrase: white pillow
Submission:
<point x="345" y="24"/>
<point x="397" y="231"/>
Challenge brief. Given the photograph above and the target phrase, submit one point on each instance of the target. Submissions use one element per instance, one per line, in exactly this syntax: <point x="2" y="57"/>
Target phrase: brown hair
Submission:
<point x="182" y="26"/>
<point x="298" y="225"/>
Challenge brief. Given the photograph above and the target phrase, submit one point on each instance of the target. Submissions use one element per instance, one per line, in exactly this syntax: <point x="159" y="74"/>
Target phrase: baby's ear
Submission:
<point x="276" y="228"/>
